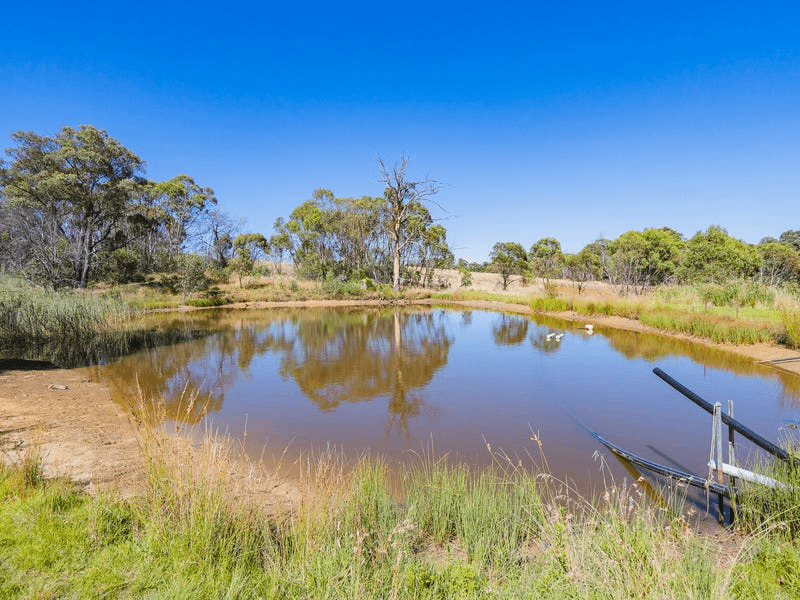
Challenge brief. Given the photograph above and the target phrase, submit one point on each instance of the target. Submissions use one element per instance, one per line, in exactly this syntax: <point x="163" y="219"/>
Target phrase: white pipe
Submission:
<point x="732" y="471"/>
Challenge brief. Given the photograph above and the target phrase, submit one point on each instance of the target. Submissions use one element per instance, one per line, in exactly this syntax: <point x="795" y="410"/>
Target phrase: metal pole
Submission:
<point x="717" y="450"/>
<point x="746" y="432"/>
<point x="731" y="458"/>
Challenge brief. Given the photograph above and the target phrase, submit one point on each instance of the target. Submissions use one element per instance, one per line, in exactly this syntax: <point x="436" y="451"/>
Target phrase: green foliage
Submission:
<point x="582" y="267"/>
<point x="120" y="266"/>
<point x="509" y="258"/>
<point x="637" y="260"/>
<point x="338" y="289"/>
<point x="791" y="238"/>
<point x="191" y="274"/>
<point x="779" y="263"/>
<point x="502" y="532"/>
<point x="791" y="324"/>
<point x="208" y="302"/>
<point x="71" y="191"/>
<point x="545" y="258"/>
<point x="550" y="305"/>
<point x="715" y="257"/>
<point x="352" y="238"/>
<point x="74" y="208"/>
<point x="247" y="248"/>
<point x="35" y="314"/>
<point x="737" y="294"/>
<point x="717" y="328"/>
<point x="466" y="276"/>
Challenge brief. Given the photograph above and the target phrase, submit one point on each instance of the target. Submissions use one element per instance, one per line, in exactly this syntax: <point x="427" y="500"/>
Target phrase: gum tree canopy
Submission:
<point x="69" y="200"/>
<point x="64" y="196"/>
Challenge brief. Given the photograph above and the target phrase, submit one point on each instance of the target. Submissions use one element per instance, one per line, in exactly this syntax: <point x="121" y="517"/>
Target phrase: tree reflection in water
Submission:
<point x="367" y="356"/>
<point x="332" y="356"/>
<point x="510" y="330"/>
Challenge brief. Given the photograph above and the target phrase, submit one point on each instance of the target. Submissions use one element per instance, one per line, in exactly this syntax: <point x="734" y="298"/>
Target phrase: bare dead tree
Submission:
<point x="407" y="216"/>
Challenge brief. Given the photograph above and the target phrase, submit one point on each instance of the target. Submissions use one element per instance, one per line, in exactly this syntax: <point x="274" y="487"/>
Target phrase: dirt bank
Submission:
<point x="71" y="422"/>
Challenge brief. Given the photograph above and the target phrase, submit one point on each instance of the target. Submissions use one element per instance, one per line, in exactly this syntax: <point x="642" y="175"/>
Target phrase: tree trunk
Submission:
<point x="396" y="258"/>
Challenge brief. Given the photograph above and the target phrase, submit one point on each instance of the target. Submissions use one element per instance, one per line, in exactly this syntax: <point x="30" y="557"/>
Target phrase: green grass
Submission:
<point x="33" y="314"/>
<point x="791" y="323"/>
<point x="475" y="295"/>
<point x="431" y="529"/>
<point x="208" y="302"/>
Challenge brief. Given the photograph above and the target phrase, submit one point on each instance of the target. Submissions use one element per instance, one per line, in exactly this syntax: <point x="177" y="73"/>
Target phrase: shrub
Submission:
<point x="466" y="276"/>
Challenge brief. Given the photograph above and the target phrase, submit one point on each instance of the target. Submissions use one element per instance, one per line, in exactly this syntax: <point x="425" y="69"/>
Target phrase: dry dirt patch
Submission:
<point x="72" y="423"/>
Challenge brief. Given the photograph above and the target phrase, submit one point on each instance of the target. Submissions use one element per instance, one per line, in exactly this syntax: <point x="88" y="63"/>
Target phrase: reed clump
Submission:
<point x="791" y="324"/>
<point x="34" y="314"/>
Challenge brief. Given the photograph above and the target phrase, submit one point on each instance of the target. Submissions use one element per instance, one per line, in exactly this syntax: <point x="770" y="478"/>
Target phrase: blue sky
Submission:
<point x="567" y="119"/>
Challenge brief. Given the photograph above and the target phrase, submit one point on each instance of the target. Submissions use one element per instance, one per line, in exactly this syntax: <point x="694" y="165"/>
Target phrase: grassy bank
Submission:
<point x="739" y="313"/>
<point x="443" y="532"/>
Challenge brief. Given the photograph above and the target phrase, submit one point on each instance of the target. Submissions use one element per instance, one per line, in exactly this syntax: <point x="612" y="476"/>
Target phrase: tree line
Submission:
<point x="76" y="208"/>
<point x="637" y="260"/>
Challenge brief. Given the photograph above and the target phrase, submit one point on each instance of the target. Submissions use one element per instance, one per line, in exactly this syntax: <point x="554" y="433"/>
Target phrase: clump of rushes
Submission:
<point x="791" y="323"/>
<point x="549" y="304"/>
<point x="476" y="295"/>
<point x="33" y="314"/>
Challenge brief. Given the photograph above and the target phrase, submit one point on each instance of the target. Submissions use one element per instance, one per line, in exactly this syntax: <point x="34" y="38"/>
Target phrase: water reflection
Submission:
<point x="510" y="330"/>
<point x="367" y="356"/>
<point x="391" y="380"/>
<point x="332" y="357"/>
<point x="103" y="346"/>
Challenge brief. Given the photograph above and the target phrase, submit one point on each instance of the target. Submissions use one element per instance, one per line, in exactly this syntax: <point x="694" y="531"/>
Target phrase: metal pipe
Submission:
<point x="734" y="424"/>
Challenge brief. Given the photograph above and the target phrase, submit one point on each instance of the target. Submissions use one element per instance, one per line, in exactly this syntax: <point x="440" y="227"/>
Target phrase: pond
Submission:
<point x="399" y="381"/>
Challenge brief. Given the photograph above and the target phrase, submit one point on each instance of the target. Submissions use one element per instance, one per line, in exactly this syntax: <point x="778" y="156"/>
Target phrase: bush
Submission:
<point x="466" y="276"/>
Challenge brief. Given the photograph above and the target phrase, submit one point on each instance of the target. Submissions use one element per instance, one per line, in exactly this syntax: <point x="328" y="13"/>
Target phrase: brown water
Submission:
<point x="397" y="381"/>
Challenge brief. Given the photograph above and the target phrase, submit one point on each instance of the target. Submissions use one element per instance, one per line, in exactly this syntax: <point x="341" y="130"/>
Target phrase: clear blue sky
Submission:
<point x="567" y="119"/>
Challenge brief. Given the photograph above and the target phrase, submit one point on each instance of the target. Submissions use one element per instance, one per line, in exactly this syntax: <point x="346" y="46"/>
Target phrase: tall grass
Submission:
<point x="791" y="323"/>
<point x="433" y="529"/>
<point x="31" y="313"/>
<point x="671" y="309"/>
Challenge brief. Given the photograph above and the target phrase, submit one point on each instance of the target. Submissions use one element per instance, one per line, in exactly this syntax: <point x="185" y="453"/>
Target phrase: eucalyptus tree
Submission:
<point x="582" y="267"/>
<point x="431" y="253"/>
<point x="639" y="259"/>
<point x="780" y="263"/>
<point x="78" y="202"/>
<point x="791" y="237"/>
<point x="713" y="256"/>
<point x="546" y="258"/>
<point x="310" y="232"/>
<point x="247" y="249"/>
<point x="279" y="246"/>
<point x="180" y="206"/>
<point x="407" y="218"/>
<point x="216" y="232"/>
<point x="508" y="259"/>
<point x="64" y="197"/>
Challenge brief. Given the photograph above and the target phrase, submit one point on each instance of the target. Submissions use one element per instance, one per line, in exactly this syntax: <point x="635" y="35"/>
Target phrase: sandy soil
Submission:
<point x="81" y="434"/>
<point x="71" y="422"/>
